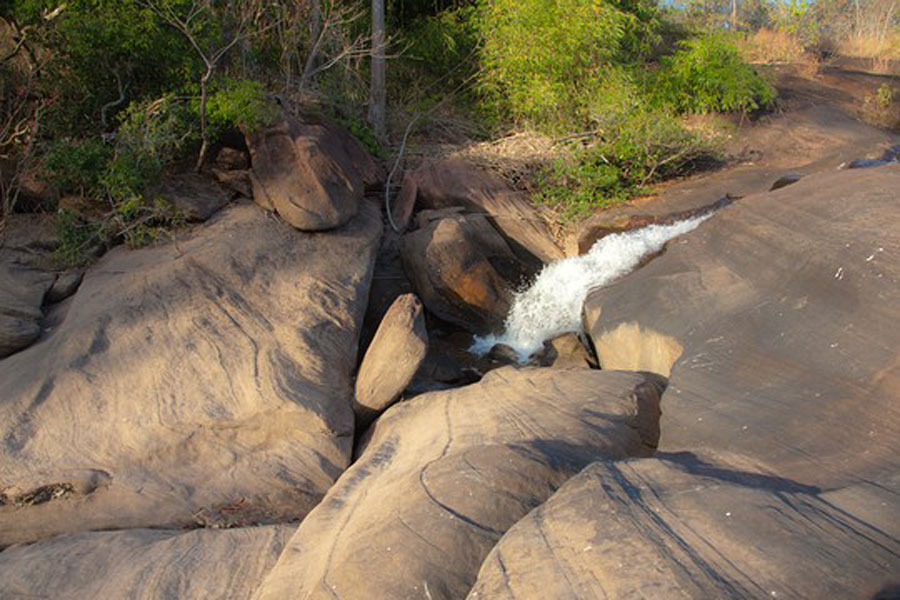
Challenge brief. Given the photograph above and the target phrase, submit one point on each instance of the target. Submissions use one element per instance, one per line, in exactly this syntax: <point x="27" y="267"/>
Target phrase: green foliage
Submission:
<point x="77" y="165"/>
<point x="636" y="146"/>
<point x="543" y="61"/>
<point x="707" y="74"/>
<point x="77" y="237"/>
<point x="241" y="103"/>
<point x="444" y="45"/>
<point x="884" y="95"/>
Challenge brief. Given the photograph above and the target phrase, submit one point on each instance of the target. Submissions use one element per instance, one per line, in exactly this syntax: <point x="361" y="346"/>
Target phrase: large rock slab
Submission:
<point x="452" y="182"/>
<point x="310" y="171"/>
<point x="184" y="377"/>
<point x="144" y="564"/>
<point x="463" y="271"/>
<point x="445" y="474"/>
<point x="681" y="528"/>
<point x="780" y="321"/>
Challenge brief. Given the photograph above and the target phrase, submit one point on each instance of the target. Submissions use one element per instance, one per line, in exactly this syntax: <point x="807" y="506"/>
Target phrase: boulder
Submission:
<point x="678" y="527"/>
<point x="463" y="271"/>
<point x="446" y="473"/>
<point x="566" y="350"/>
<point x="779" y="320"/>
<point x="310" y="171"/>
<point x="196" y="195"/>
<point x="65" y="285"/>
<point x="25" y="245"/>
<point x="239" y="182"/>
<point x="389" y="282"/>
<point x="184" y="378"/>
<point x="143" y="564"/>
<point x="232" y="159"/>
<point x="394" y="356"/>
<point x="445" y="183"/>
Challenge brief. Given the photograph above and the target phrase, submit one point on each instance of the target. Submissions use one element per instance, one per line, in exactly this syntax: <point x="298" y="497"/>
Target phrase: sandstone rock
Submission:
<point x="564" y="351"/>
<point x="779" y="319"/>
<point x="785" y="180"/>
<point x="392" y="359"/>
<point x="65" y="285"/>
<point x="196" y="195"/>
<point x="682" y="528"/>
<point x="446" y="473"/>
<point x="310" y="171"/>
<point x="143" y="564"/>
<point x="462" y="270"/>
<point x="389" y="282"/>
<point x="232" y="159"/>
<point x="445" y="183"/>
<point x="238" y="182"/>
<point x="25" y="245"/>
<point x="185" y="377"/>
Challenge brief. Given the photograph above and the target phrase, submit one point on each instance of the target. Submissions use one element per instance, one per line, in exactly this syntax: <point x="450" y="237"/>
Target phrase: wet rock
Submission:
<point x="563" y="351"/>
<point x="773" y="318"/>
<point x="186" y="363"/>
<point x="462" y="270"/>
<point x="446" y="183"/>
<point x="786" y="180"/>
<point x="678" y="527"/>
<point x="65" y="285"/>
<point x="397" y="350"/>
<point x="310" y="171"/>
<point x="445" y="474"/>
<point x="447" y="365"/>
<point x="144" y="564"/>
<point x="501" y="353"/>
<point x="196" y="195"/>
<point x="865" y="163"/>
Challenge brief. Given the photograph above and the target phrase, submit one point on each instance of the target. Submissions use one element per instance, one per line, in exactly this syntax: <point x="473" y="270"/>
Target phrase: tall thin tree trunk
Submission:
<point x="734" y="15"/>
<point x="204" y="93"/>
<point x="378" y="93"/>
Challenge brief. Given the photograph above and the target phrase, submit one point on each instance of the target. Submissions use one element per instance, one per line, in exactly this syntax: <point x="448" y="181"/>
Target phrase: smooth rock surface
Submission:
<point x="780" y="321"/>
<point x="446" y="183"/>
<point x="445" y="474"/>
<point x="463" y="271"/>
<point x="147" y="564"/>
<point x="392" y="359"/>
<point x="184" y="377"/>
<point x="310" y="171"/>
<point x="196" y="195"/>
<point x="681" y="528"/>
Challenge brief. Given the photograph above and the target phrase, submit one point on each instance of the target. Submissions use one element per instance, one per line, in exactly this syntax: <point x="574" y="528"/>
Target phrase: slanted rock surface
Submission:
<point x="197" y="196"/>
<point x="146" y="564"/>
<point x="445" y="474"/>
<point x="780" y="321"/>
<point x="391" y="361"/>
<point x="310" y="171"/>
<point x="462" y="270"/>
<point x="215" y="371"/>
<point x="451" y="182"/>
<point x="681" y="528"/>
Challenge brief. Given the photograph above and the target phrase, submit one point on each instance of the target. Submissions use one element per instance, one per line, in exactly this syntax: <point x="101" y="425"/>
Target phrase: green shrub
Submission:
<point x="78" y="165"/>
<point x="77" y="238"/>
<point x="707" y="74"/>
<point x="240" y="103"/>
<point x="443" y="45"/>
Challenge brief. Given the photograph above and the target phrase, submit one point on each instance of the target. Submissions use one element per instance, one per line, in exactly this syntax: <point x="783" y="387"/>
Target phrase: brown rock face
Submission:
<point x="144" y="564"/>
<point x="446" y="183"/>
<point x="684" y="529"/>
<point x="186" y="377"/>
<point x="197" y="196"/>
<point x="445" y="474"/>
<point x="780" y="320"/>
<point x="393" y="357"/>
<point x="463" y="271"/>
<point x="310" y="171"/>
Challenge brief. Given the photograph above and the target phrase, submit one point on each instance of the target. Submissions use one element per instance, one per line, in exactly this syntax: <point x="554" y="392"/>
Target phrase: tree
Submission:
<point x="378" y="93"/>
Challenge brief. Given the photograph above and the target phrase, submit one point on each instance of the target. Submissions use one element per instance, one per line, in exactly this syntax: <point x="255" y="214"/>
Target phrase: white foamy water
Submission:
<point x="552" y="304"/>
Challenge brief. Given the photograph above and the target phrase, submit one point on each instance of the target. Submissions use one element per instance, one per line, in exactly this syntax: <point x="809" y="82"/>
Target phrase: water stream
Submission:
<point x="552" y="304"/>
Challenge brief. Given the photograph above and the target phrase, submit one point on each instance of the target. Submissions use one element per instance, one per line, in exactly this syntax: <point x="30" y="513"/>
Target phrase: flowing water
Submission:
<point x="552" y="304"/>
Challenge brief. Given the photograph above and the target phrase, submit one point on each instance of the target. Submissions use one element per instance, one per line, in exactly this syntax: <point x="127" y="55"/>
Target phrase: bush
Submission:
<point x="444" y="45"/>
<point x="78" y="165"/>
<point x="707" y="74"/>
<point x="240" y="103"/>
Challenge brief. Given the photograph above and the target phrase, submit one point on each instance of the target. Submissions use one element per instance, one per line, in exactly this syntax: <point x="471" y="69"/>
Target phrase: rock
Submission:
<point x="564" y="351"/>
<point x="865" y="163"/>
<point x="779" y="320"/>
<point x="503" y="353"/>
<point x="447" y="364"/>
<point x="682" y="528"/>
<point x="462" y="270"/>
<point x="197" y="196"/>
<point x="397" y="350"/>
<point x="232" y="159"/>
<point x="25" y="247"/>
<point x="238" y="182"/>
<point x="389" y="282"/>
<point x="786" y="180"/>
<point x="404" y="203"/>
<point x="310" y="171"/>
<point x="626" y="218"/>
<point x="65" y="285"/>
<point x="892" y="154"/>
<point x="184" y="377"/>
<point x="143" y="564"/>
<point x="445" y="474"/>
<point x="445" y="183"/>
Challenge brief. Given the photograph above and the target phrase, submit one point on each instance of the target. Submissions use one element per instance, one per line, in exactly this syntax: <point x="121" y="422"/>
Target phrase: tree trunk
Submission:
<point x="378" y="94"/>
<point x="734" y="15"/>
<point x="204" y="93"/>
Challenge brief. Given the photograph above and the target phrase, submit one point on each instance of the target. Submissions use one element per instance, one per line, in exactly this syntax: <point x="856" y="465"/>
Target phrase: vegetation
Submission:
<point x="101" y="97"/>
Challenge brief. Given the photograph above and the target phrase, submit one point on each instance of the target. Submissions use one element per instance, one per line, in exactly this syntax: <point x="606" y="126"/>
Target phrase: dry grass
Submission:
<point x="771" y="46"/>
<point x="516" y="157"/>
<point x="882" y="50"/>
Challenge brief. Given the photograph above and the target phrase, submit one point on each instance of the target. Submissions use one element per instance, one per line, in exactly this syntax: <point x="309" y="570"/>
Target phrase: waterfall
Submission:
<point x="552" y="304"/>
